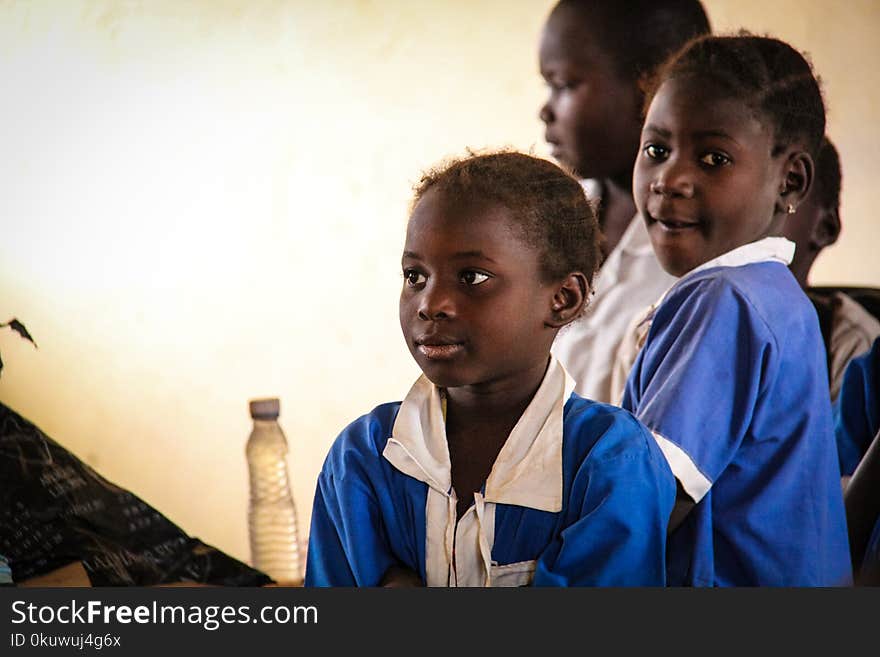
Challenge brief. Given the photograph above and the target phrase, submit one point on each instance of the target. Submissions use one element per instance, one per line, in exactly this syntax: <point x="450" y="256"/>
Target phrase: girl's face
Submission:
<point x="706" y="180"/>
<point x="592" y="115"/>
<point x="473" y="304"/>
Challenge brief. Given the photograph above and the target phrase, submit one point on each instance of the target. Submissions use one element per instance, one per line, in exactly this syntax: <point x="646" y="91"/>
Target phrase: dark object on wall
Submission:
<point x="55" y="510"/>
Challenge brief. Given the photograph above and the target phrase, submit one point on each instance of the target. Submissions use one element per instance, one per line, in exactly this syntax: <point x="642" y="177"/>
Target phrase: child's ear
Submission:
<point x="568" y="300"/>
<point x="797" y="179"/>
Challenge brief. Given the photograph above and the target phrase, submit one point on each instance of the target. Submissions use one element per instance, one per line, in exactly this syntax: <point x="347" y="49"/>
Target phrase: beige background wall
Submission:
<point x="204" y="202"/>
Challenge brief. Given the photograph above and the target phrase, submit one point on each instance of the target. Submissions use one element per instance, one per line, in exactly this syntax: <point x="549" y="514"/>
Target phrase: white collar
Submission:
<point x="528" y="469"/>
<point x="767" y="249"/>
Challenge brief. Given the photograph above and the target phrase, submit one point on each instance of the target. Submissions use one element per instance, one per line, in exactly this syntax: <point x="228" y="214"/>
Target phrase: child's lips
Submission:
<point x="440" y="351"/>
<point x="672" y="224"/>
<point x="439" y="347"/>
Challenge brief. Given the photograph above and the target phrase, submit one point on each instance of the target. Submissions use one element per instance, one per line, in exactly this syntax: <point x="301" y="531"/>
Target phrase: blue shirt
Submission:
<point x="583" y="502"/>
<point x="857" y="412"/>
<point x="732" y="381"/>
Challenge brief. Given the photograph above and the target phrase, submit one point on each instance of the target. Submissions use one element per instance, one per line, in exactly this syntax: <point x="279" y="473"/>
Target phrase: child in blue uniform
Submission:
<point x="857" y="412"/>
<point x="491" y="472"/>
<point x="732" y="377"/>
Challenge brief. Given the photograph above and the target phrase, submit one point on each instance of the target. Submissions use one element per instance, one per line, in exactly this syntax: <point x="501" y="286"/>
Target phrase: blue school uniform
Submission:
<point x="579" y="495"/>
<point x="857" y="412"/>
<point x="732" y="382"/>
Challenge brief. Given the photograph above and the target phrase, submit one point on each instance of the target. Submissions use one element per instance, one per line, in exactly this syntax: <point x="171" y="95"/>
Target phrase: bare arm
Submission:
<point x="682" y="507"/>
<point x="862" y="501"/>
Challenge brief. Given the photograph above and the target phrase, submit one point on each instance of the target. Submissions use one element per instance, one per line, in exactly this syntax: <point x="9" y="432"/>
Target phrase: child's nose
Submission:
<point x="546" y="112"/>
<point x="436" y="303"/>
<point x="674" y="179"/>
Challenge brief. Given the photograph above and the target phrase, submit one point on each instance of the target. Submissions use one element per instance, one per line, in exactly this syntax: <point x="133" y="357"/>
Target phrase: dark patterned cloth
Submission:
<point x="54" y="510"/>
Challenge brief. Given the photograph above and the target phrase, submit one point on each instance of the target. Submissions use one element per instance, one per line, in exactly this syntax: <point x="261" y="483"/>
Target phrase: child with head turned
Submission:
<point x="848" y="330"/>
<point x="491" y="471"/>
<point x="593" y="56"/>
<point x="732" y="378"/>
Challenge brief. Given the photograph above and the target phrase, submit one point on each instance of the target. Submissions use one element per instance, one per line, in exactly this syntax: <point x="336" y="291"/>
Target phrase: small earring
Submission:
<point x="790" y="209"/>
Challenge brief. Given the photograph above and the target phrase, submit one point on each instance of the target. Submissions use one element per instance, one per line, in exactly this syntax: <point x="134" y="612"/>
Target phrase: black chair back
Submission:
<point x="868" y="297"/>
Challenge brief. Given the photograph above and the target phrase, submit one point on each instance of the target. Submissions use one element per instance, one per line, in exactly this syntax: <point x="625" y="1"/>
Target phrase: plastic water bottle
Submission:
<point x="272" y="521"/>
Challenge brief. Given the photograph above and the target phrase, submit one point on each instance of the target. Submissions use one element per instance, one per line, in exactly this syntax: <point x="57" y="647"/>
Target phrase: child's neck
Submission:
<point x="478" y="423"/>
<point x="616" y="212"/>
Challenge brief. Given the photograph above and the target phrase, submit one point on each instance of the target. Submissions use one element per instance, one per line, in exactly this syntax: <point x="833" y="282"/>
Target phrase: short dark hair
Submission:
<point x="639" y="35"/>
<point x="828" y="176"/>
<point x="772" y="78"/>
<point x="548" y="204"/>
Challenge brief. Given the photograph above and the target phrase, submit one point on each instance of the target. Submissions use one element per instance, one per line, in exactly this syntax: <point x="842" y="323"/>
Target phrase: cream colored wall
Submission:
<point x="204" y="202"/>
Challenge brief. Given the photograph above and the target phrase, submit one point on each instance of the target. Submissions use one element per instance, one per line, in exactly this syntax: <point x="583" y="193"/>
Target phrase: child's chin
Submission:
<point x="445" y="381"/>
<point x="676" y="269"/>
<point x="675" y="264"/>
<point x="443" y="376"/>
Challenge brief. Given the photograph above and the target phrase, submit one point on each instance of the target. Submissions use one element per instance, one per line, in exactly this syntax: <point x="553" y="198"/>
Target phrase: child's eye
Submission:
<point x="562" y="85"/>
<point x="715" y="159"/>
<point x="474" y="277"/>
<point x="656" y="152"/>
<point x="413" y="277"/>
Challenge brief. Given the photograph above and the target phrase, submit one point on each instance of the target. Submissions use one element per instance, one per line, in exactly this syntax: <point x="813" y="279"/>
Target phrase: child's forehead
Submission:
<point x="438" y="208"/>
<point x="700" y="115"/>
<point x="705" y="96"/>
<point x="572" y="36"/>
<point x="571" y="20"/>
<point x="461" y="223"/>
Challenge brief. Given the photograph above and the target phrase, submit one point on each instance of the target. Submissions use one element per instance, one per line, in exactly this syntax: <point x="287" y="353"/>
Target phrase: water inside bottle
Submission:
<point x="272" y="520"/>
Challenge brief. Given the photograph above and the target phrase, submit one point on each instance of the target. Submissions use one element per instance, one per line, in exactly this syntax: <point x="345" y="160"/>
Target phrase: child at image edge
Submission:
<point x="732" y="378"/>
<point x="491" y="472"/>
